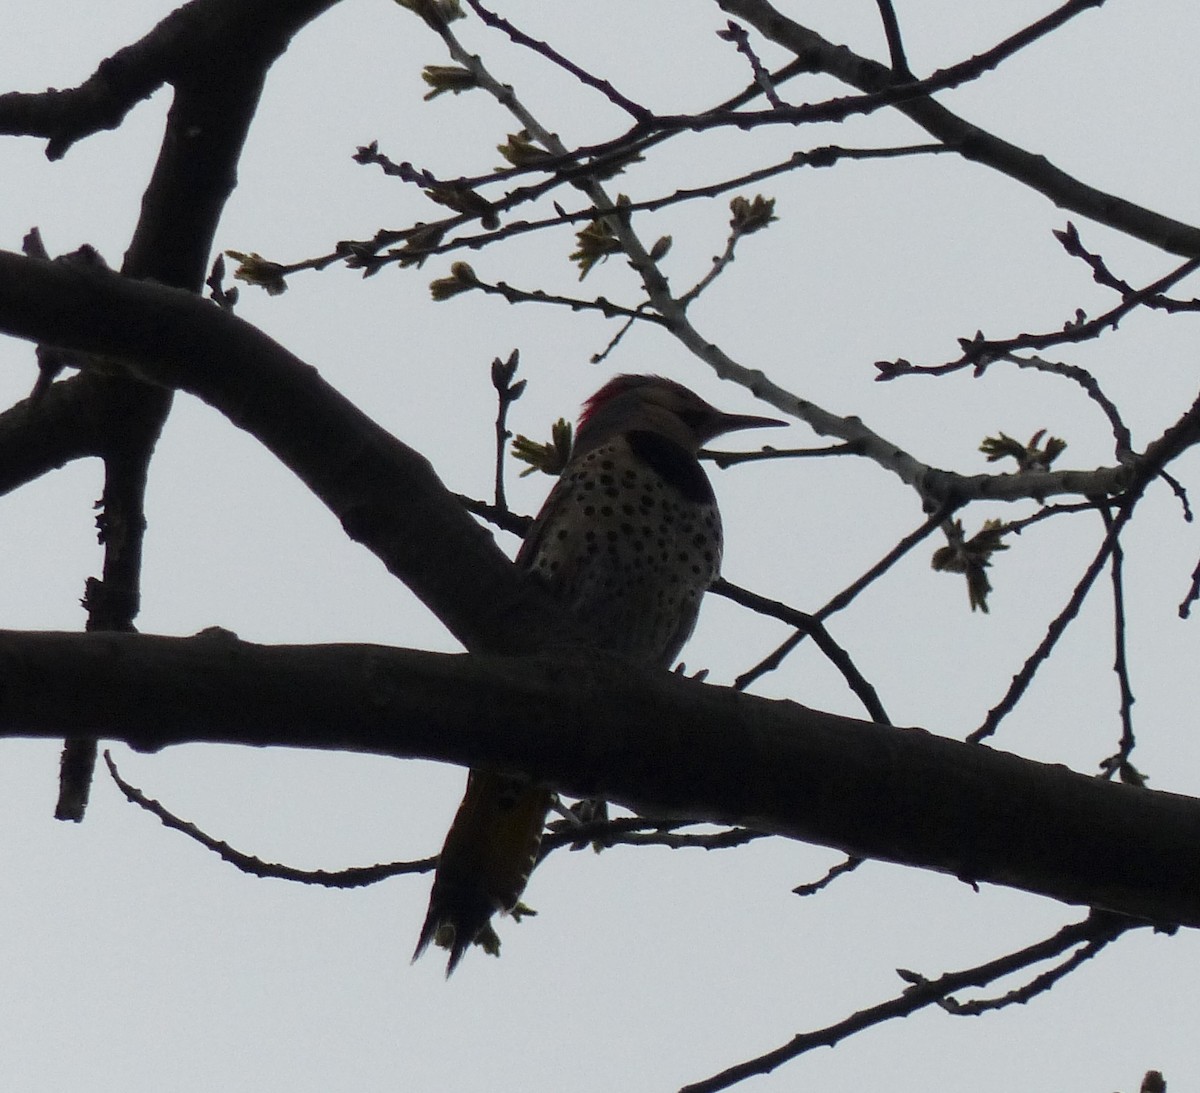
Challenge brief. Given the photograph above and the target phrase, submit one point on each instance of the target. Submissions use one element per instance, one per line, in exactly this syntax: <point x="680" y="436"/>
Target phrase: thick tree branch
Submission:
<point x="974" y="143"/>
<point x="64" y="425"/>
<point x="195" y="35"/>
<point x="594" y="726"/>
<point x="216" y="53"/>
<point x="386" y="495"/>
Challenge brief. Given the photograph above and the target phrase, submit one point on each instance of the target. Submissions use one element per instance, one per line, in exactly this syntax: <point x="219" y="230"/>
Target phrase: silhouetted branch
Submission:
<point x="507" y="393"/>
<point x="732" y="459"/>
<point x="979" y="352"/>
<point x="814" y="628"/>
<point x="1081" y="376"/>
<point x="1039" y="984"/>
<point x="387" y="497"/>
<point x="811" y="888"/>
<point x="1096" y="928"/>
<point x="362" y="254"/>
<point x="891" y="30"/>
<point x="1183" y="434"/>
<point x="641" y="831"/>
<point x="1193" y="594"/>
<point x="595" y="726"/>
<point x="1178" y="490"/>
<point x="356" y="877"/>
<point x="539" y="296"/>
<point x="1028" y="168"/>
<point x="544" y="49"/>
<point x="739" y="37"/>
<point x="1058" y="625"/>
<point x="1118" y="764"/>
<point x="1046" y="512"/>
<point x="846" y="596"/>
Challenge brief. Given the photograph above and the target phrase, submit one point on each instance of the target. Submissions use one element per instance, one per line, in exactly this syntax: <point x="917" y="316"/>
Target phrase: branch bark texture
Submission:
<point x="386" y="495"/>
<point x="595" y="726"/>
<point x="972" y="142"/>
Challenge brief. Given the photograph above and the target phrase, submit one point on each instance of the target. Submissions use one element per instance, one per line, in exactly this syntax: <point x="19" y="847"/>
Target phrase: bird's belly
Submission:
<point x="636" y="585"/>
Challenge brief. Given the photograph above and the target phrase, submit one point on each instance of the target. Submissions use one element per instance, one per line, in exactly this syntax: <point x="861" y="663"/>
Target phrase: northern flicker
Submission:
<point x="629" y="539"/>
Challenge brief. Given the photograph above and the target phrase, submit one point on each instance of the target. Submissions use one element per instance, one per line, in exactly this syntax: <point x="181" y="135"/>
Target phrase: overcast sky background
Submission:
<point x="133" y="959"/>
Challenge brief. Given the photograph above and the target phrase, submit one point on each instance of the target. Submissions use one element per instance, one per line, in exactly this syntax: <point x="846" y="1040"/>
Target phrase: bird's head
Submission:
<point x="657" y="405"/>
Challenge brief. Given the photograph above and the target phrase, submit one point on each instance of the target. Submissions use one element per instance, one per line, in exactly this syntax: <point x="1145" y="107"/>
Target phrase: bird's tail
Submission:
<point x="485" y="862"/>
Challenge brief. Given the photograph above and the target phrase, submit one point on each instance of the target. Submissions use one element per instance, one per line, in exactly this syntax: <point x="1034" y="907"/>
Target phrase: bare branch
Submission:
<point x="923" y="993"/>
<point x="814" y="628"/>
<point x="386" y="495"/>
<point x="639" y="113"/>
<point x="539" y="296"/>
<point x="1182" y="434"/>
<point x="737" y="34"/>
<point x="1121" y="436"/>
<point x="595" y="726"/>
<point x="725" y="460"/>
<point x="979" y="352"/>
<point x="1118" y="764"/>
<point x="168" y="53"/>
<point x="841" y="869"/>
<point x="1058" y="625"/>
<point x="846" y="596"/>
<point x="891" y="30"/>
<point x="976" y="144"/>
<point x="1039" y="984"/>
<point x="356" y="877"/>
<point x="642" y="831"/>
<point x="507" y="393"/>
<point x="424" y="240"/>
<point x="1193" y="594"/>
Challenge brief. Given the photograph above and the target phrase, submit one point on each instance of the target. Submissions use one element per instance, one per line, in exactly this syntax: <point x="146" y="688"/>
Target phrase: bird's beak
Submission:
<point x="729" y="423"/>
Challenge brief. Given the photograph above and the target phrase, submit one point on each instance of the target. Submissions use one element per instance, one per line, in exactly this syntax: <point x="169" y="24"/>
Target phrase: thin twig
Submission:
<point x="725" y="460"/>
<point x="820" y="157"/>
<point x="831" y="874"/>
<point x="1039" y="984"/>
<point x="891" y="30"/>
<point x="538" y="296"/>
<point x="613" y="342"/>
<point x="814" y="628"/>
<point x="544" y="49"/>
<point x="507" y="521"/>
<point x="720" y="264"/>
<point x="355" y="877"/>
<point x="507" y="393"/>
<point x="1121" y="436"/>
<point x="363" y="253"/>
<point x="922" y="993"/>
<point x="641" y="831"/>
<point x="1017" y="527"/>
<point x="1118" y="763"/>
<point x="1193" y="594"/>
<point x="979" y="352"/>
<point x="1058" y="625"/>
<point x="1180" y="492"/>
<point x="772" y="661"/>
<point x="737" y="34"/>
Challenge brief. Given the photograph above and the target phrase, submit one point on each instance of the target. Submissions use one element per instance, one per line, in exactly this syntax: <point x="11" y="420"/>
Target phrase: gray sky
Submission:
<point x="133" y="959"/>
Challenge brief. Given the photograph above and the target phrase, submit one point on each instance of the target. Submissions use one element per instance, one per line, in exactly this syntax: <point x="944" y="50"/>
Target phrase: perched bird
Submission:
<point x="629" y="540"/>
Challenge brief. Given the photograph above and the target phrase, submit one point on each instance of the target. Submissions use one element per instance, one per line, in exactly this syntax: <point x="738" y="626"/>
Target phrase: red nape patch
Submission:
<point x="618" y="385"/>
